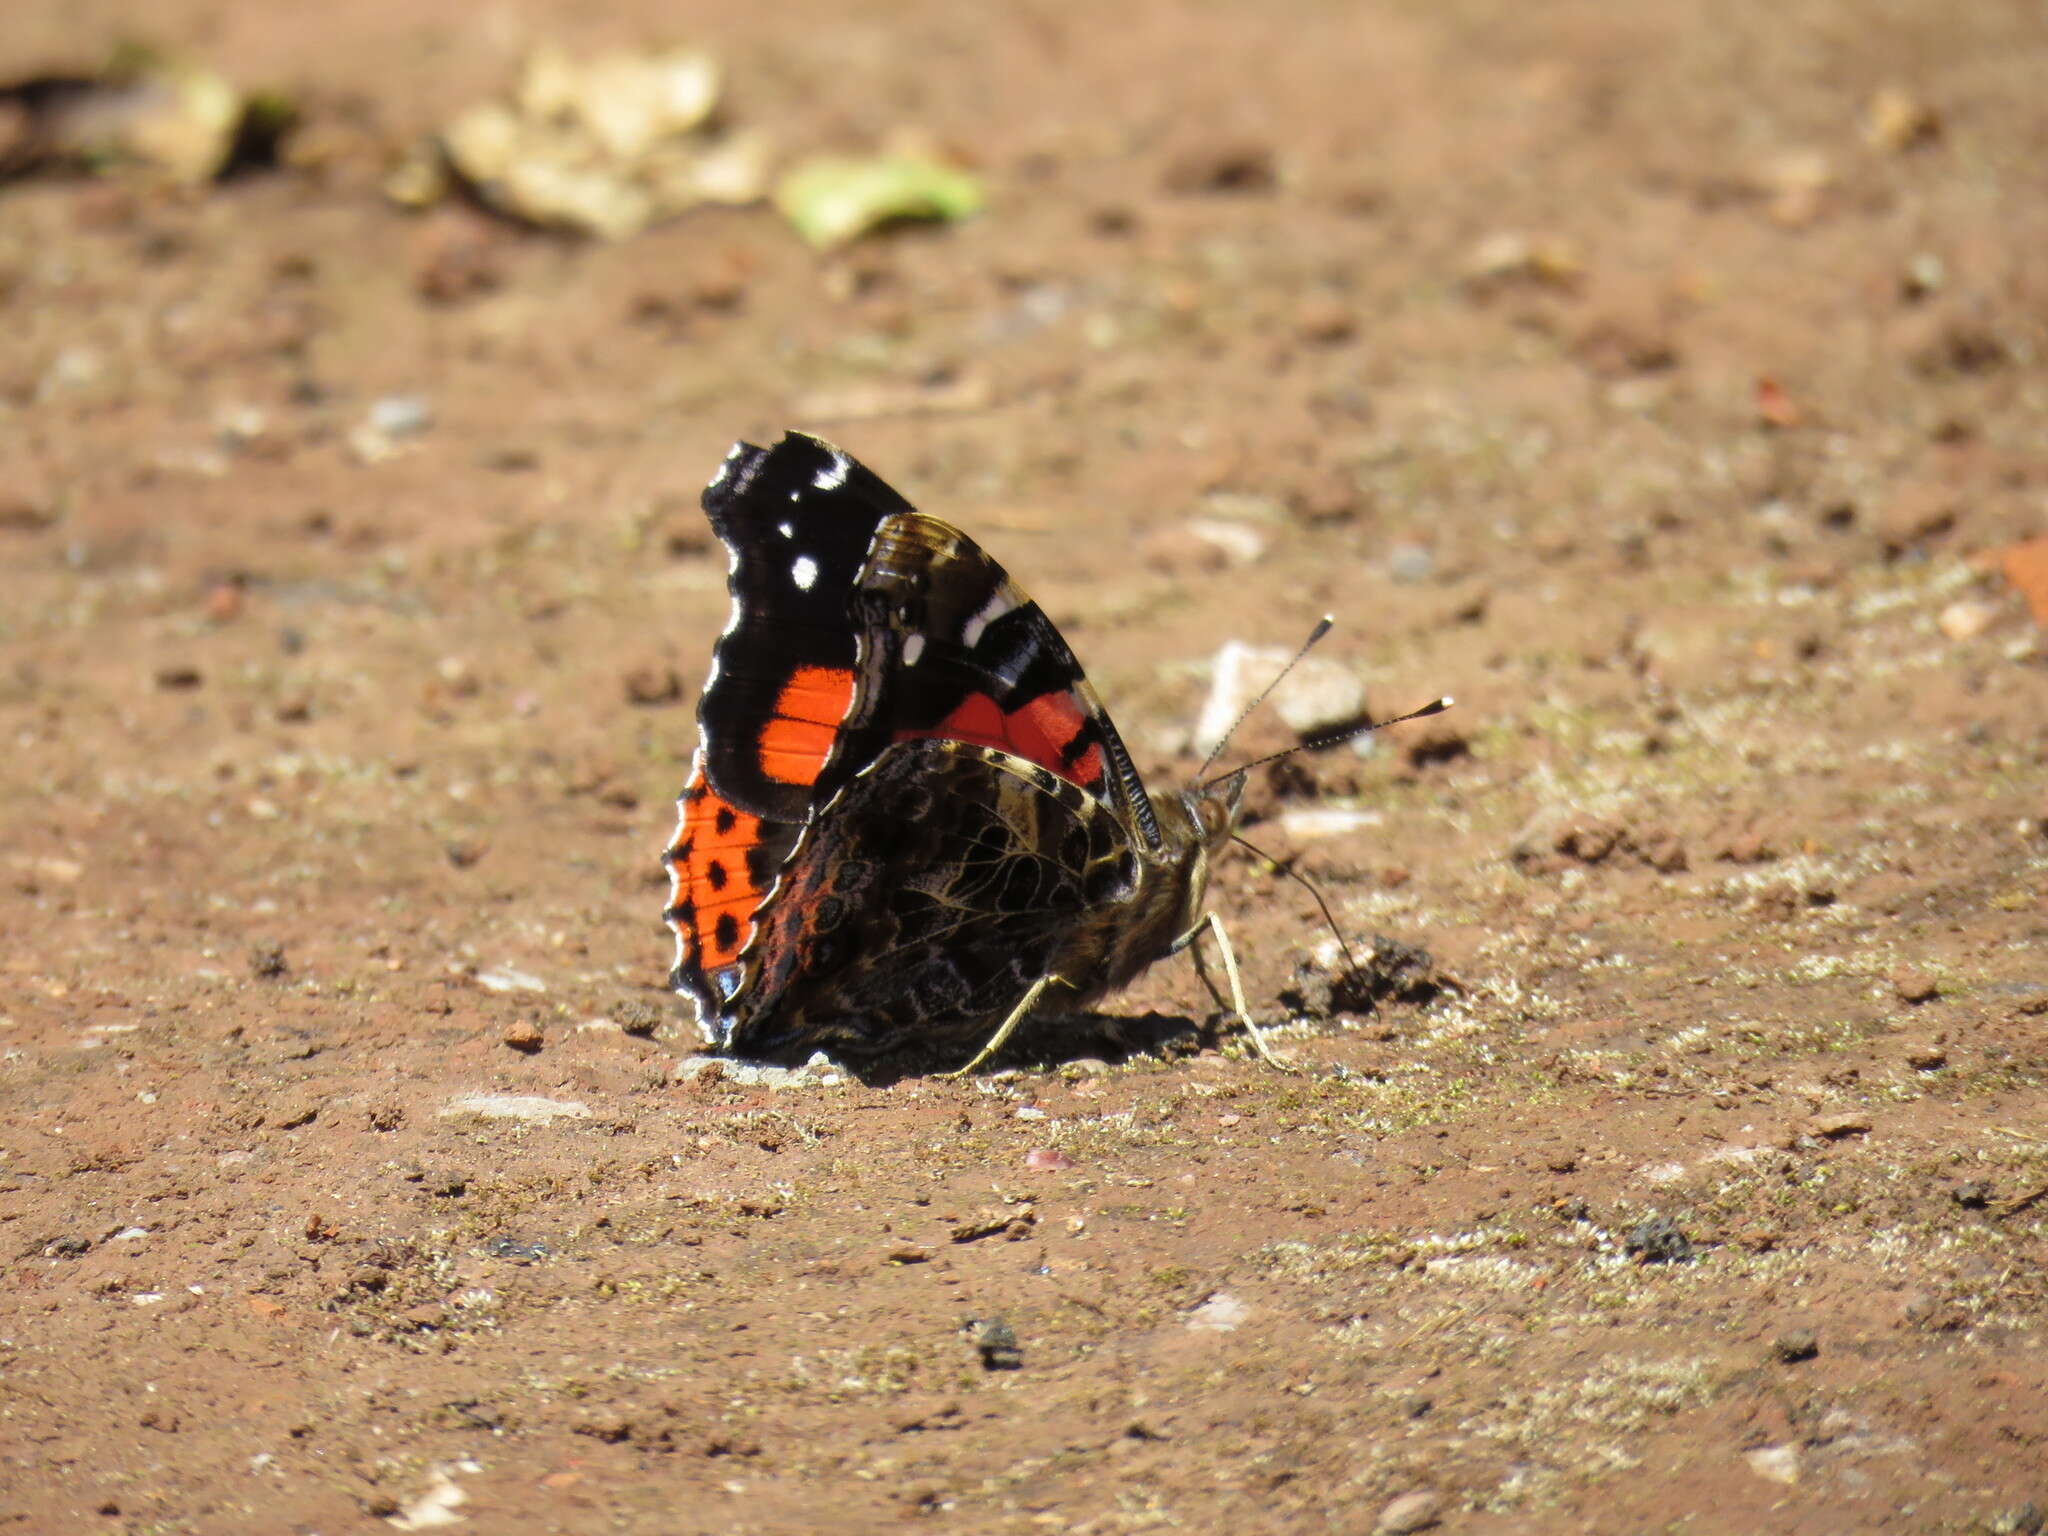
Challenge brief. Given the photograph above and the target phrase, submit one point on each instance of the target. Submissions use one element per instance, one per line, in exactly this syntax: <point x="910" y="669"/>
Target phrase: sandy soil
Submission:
<point x="1599" y="365"/>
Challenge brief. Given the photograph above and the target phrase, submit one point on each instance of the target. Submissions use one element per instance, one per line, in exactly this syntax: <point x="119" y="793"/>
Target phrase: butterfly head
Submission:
<point x="1211" y="811"/>
<point x="1214" y="809"/>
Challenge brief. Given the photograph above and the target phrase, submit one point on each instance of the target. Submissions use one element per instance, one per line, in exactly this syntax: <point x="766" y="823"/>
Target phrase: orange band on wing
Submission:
<point x="1042" y="731"/>
<point x="797" y="740"/>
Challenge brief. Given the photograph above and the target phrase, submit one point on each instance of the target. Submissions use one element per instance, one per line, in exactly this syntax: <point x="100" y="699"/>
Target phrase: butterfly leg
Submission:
<point x="1009" y="1025"/>
<point x="1244" y="1017"/>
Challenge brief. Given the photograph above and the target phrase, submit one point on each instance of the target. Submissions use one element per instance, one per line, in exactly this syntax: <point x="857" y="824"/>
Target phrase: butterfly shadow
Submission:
<point x="1050" y="1042"/>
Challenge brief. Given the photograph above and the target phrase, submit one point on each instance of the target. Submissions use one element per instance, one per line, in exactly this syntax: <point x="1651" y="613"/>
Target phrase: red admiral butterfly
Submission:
<point x="909" y="818"/>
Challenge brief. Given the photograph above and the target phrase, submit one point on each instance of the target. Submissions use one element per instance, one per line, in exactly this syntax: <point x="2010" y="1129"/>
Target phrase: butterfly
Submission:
<point x="909" y="821"/>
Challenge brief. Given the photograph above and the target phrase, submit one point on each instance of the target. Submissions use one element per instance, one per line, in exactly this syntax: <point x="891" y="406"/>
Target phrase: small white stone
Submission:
<point x="1779" y="1463"/>
<point x="503" y="978"/>
<point x="1240" y="545"/>
<point x="1221" y="1313"/>
<point x="1308" y="822"/>
<point x="400" y="415"/>
<point x="1317" y="694"/>
<point x="1415" y="1511"/>
<point x="437" y="1505"/>
<point x="1235" y="678"/>
<point x="1966" y="620"/>
<point x="821" y="1071"/>
<point x="515" y="1106"/>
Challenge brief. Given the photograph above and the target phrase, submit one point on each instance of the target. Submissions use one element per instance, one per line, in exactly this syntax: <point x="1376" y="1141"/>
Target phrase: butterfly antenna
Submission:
<point x="1331" y="738"/>
<point x="1322" y="628"/>
<point x="1288" y="869"/>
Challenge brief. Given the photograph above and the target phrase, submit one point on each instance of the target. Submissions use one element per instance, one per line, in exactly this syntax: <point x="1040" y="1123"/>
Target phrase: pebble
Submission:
<point x="1171" y="553"/>
<point x="1047" y="1160"/>
<point x="1325" y="322"/>
<point x="1236" y="676"/>
<point x="1587" y="841"/>
<point x="1505" y="254"/>
<point x="523" y="1035"/>
<point x="1221" y="1313"/>
<point x="1237" y="544"/>
<point x="1779" y="1463"/>
<point x="1835" y="1127"/>
<point x="1658" y="1240"/>
<point x="821" y="1071"/>
<point x="1896" y="121"/>
<point x="1971" y="1194"/>
<point x="1926" y="1056"/>
<point x="1913" y="986"/>
<point x="503" y="978"/>
<point x="401" y="415"/>
<point x="1749" y="848"/>
<point x="1224" y="166"/>
<point x="996" y="1342"/>
<point x="1665" y="854"/>
<point x="1966" y="619"/>
<point x="1416" y="1511"/>
<point x="1331" y="496"/>
<point x="515" y="1106"/>
<point x="1410" y="564"/>
<point x="1307" y="823"/>
<point x="2026" y="1519"/>
<point x="25" y="511"/>
<point x="223" y="602"/>
<point x="651" y="686"/>
<point x="1011" y="1221"/>
<point x="1317" y="695"/>
<point x="1791" y="1348"/>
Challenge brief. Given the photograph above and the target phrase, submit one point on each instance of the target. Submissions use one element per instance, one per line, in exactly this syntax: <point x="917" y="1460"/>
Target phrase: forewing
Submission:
<point x="797" y="521"/>
<point x="958" y="651"/>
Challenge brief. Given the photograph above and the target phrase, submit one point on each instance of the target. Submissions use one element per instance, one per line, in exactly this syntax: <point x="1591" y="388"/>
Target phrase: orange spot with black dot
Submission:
<point x="711" y="890"/>
<point x="797" y="741"/>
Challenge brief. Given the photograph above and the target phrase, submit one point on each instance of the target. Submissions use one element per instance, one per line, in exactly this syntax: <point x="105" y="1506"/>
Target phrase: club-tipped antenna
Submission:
<point x="1322" y="628"/>
<point x="1331" y="738"/>
<point x="1287" y="868"/>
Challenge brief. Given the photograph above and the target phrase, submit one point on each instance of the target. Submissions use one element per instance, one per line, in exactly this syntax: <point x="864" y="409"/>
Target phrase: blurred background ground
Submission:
<point x="1664" y="381"/>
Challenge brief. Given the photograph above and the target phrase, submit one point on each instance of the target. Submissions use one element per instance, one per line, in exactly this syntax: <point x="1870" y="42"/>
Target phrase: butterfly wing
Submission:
<point x="961" y="653"/>
<point x="797" y="521"/>
<point x="925" y="902"/>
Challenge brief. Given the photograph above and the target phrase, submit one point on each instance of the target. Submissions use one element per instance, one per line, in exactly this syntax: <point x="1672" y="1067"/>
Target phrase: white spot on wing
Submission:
<point x="732" y="569"/>
<point x="913" y="648"/>
<point x="833" y="475"/>
<point x="998" y="604"/>
<point x="804" y="572"/>
<point x="787" y="530"/>
<point x="725" y="466"/>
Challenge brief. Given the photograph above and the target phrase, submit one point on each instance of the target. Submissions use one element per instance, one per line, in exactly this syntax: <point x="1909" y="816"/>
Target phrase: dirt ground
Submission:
<point x="1664" y="381"/>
